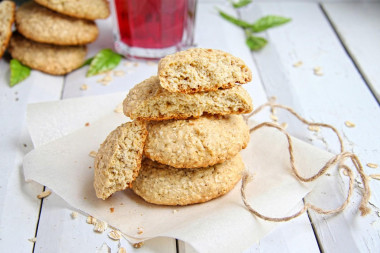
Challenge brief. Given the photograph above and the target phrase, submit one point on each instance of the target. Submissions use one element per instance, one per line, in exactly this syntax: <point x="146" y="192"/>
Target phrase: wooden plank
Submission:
<point x="358" y="26"/>
<point x="338" y="95"/>
<point x="19" y="207"/>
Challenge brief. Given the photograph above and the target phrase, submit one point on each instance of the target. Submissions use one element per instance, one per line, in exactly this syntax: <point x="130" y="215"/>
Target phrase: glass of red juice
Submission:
<point x="151" y="29"/>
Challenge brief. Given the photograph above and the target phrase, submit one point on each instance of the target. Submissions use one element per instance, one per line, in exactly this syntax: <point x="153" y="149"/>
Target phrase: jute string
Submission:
<point x="338" y="160"/>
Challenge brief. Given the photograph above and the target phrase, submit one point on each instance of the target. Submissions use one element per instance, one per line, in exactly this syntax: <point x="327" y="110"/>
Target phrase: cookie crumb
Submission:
<point x="314" y="128"/>
<point x="175" y="211"/>
<point x="44" y="194"/>
<point x="118" y="73"/>
<point x="349" y="124"/>
<point x="122" y="250"/>
<point x="93" y="153"/>
<point x="112" y="209"/>
<point x="127" y="63"/>
<point x="87" y="124"/>
<point x="100" y="226"/>
<point x="119" y="108"/>
<point x="140" y="231"/>
<point x="372" y="165"/>
<point x="136" y="64"/>
<point x="298" y="64"/>
<point x="138" y="245"/>
<point x="151" y="63"/>
<point x="318" y="71"/>
<point x="284" y="125"/>
<point x="33" y="240"/>
<point x="74" y="215"/>
<point x="114" y="235"/>
<point x="91" y="220"/>
<point x="84" y="87"/>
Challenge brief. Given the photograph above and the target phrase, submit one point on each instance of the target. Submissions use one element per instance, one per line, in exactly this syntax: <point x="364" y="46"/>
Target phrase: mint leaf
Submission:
<point x="104" y="60"/>
<point x="256" y="43"/>
<point x="268" y="22"/>
<point x="87" y="62"/>
<point x="19" y="72"/>
<point x="241" y="3"/>
<point x="234" y="20"/>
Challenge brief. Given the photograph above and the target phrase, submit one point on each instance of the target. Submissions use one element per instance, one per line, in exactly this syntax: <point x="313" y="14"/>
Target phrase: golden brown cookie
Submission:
<point x="87" y="9"/>
<point x="7" y="17"/>
<point x="194" y="143"/>
<point x="118" y="160"/>
<point x="40" y="24"/>
<point x="149" y="101"/>
<point x="165" y="185"/>
<point x="201" y="69"/>
<point x="52" y="59"/>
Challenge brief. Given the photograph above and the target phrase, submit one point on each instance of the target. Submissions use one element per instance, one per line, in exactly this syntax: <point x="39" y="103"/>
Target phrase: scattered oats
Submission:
<point x="93" y="153"/>
<point x="298" y="64"/>
<point x="375" y="176"/>
<point x="91" y="220"/>
<point x="114" y="235"/>
<point x="138" y="245"/>
<point x="140" y="231"/>
<point x="274" y="117"/>
<point x="44" y="194"/>
<point x="314" y="128"/>
<point x="112" y="209"/>
<point x="284" y="125"/>
<point x="136" y="64"/>
<point x="118" y="73"/>
<point x="349" y="124"/>
<point x="74" y="215"/>
<point x="87" y="124"/>
<point x="128" y="63"/>
<point x="318" y="71"/>
<point x="345" y="172"/>
<point x="100" y="226"/>
<point x="273" y="110"/>
<point x="122" y="250"/>
<point x="34" y="239"/>
<point x="175" y="211"/>
<point x="151" y="63"/>
<point x="84" y="87"/>
<point x="119" y="108"/>
<point x="372" y="165"/>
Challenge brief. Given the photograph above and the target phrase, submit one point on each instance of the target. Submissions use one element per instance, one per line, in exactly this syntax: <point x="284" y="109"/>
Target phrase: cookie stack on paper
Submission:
<point x="183" y="145"/>
<point x="52" y="35"/>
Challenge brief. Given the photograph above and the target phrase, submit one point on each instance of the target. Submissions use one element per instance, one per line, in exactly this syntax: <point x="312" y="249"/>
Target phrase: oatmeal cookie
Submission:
<point x="7" y="17"/>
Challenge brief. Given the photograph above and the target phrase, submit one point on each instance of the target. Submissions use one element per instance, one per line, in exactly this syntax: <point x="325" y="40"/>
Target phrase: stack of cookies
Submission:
<point x="52" y="35"/>
<point x="183" y="145"/>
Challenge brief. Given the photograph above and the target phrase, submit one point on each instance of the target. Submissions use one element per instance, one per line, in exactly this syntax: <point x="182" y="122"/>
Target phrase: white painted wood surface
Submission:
<point x="358" y="25"/>
<point x="339" y="95"/>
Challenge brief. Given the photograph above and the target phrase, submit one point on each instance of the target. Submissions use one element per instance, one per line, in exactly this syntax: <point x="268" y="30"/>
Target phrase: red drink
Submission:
<point x="153" y="28"/>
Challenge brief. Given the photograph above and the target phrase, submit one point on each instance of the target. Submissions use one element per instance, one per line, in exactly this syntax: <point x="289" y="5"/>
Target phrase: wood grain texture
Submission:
<point x="358" y="26"/>
<point x="338" y="95"/>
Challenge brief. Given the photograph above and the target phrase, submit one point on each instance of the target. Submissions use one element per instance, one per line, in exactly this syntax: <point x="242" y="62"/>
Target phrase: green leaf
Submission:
<point x="234" y="20"/>
<point x="241" y="3"/>
<point x="87" y="62"/>
<point x="256" y="43"/>
<point x="268" y="22"/>
<point x="19" y="72"/>
<point x="104" y="60"/>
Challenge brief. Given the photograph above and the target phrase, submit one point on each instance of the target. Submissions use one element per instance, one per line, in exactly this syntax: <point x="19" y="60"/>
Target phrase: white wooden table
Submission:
<point x="343" y="38"/>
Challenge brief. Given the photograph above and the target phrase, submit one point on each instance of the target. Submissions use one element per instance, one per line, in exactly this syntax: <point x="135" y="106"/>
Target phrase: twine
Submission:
<point x="338" y="160"/>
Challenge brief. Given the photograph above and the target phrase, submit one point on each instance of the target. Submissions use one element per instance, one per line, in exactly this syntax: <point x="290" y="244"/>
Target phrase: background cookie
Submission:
<point x="7" y="17"/>
<point x="55" y="60"/>
<point x="43" y="25"/>
<point x="87" y="9"/>
<point x="119" y="158"/>
<point x="165" y="185"/>
<point x="149" y="101"/>
<point x="195" y="143"/>
<point x="200" y="69"/>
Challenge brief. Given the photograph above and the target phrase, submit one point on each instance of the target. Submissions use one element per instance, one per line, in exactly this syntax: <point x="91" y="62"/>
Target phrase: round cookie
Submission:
<point x="52" y="59"/>
<point x="165" y="185"/>
<point x="194" y="143"/>
<point x="87" y="9"/>
<point x="7" y="17"/>
<point x="40" y="24"/>
<point x="201" y="69"/>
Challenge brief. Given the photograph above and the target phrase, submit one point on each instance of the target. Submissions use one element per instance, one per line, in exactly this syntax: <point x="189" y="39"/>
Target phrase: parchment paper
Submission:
<point x="221" y="225"/>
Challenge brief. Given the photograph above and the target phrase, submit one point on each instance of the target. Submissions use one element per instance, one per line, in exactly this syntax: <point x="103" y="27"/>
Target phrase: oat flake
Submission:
<point x="44" y="194"/>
